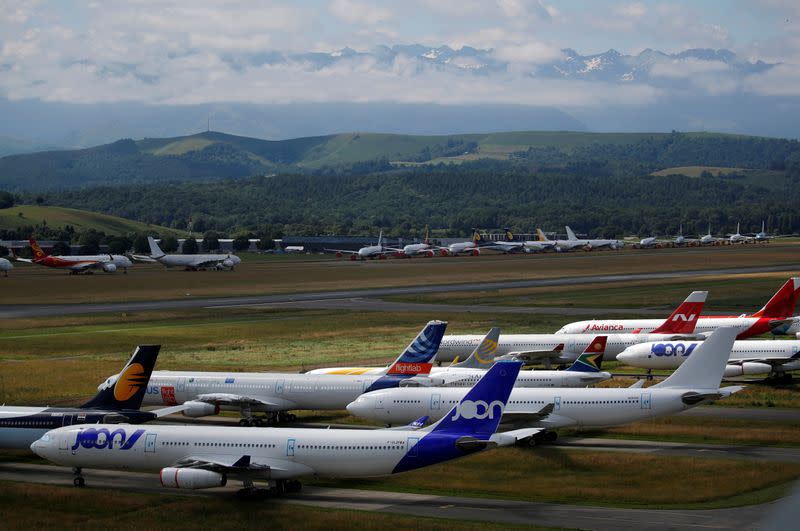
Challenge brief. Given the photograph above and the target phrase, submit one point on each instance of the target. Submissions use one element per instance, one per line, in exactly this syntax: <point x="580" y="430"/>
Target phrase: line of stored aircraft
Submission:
<point x="473" y="405"/>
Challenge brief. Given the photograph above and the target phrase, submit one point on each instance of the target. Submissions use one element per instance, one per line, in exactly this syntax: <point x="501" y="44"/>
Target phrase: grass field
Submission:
<point x="31" y="215"/>
<point x="286" y="274"/>
<point x="95" y="509"/>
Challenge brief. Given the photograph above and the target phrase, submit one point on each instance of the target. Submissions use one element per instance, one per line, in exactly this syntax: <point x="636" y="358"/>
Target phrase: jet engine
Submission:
<point x="199" y="409"/>
<point x="228" y="263"/>
<point x="747" y="368"/>
<point x="476" y="252"/>
<point x="191" y="478"/>
<point x="109" y="267"/>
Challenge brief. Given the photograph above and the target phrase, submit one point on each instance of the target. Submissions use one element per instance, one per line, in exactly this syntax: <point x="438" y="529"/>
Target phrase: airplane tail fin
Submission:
<point x="155" y="250"/>
<point x="478" y="414"/>
<point x="783" y="303"/>
<point x="483" y="355"/>
<point x="570" y="234"/>
<point x="127" y="389"/>
<point x="592" y="358"/>
<point x="37" y="251"/>
<point x="684" y="319"/>
<point x="477" y="237"/>
<point x="540" y="234"/>
<point x="380" y="238"/>
<point x="704" y="368"/>
<point x="509" y="234"/>
<point x="427" y="240"/>
<point x="418" y="356"/>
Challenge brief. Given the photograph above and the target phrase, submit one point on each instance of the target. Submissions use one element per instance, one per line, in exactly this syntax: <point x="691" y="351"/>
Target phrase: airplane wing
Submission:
<point x="509" y="438"/>
<point x="341" y="251"/>
<point x="18" y="259"/>
<point x="774" y="361"/>
<point x="637" y="384"/>
<point x="533" y="356"/>
<point x="528" y="416"/>
<point x="228" y="399"/>
<point x="142" y="258"/>
<point x="164" y="411"/>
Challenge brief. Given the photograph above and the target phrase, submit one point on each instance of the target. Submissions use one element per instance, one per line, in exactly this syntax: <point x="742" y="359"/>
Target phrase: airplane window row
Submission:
<point x="348" y="447"/>
<point x="219" y="444"/>
<point x="630" y="401"/>
<point x="25" y="423"/>
<point x="407" y="401"/>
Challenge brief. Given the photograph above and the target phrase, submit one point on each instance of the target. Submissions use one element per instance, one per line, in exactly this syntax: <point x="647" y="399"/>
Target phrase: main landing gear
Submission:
<point x="276" y="488"/>
<point x="79" y="480"/>
<point x="541" y="438"/>
<point x="281" y="417"/>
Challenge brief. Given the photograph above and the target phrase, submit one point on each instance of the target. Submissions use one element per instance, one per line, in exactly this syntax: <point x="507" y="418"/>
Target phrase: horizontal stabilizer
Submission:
<point x="637" y="384"/>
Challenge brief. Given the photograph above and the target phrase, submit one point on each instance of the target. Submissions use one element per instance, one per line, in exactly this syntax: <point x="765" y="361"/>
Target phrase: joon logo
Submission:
<point x="672" y="349"/>
<point x="478" y="409"/>
<point x="102" y="438"/>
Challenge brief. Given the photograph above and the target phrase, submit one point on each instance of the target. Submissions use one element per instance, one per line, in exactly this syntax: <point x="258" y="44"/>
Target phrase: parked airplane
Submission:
<point x="695" y="382"/>
<point x="762" y="236"/>
<point x="197" y="457"/>
<point x="118" y="402"/>
<point x="471" y="247"/>
<point x="649" y="243"/>
<point x="77" y="264"/>
<point x="777" y="358"/>
<point x="205" y="393"/>
<point x="681" y="240"/>
<point x="416" y="249"/>
<point x="776" y="312"/>
<point x="561" y="245"/>
<point x="708" y="239"/>
<point x="565" y="348"/>
<point x="542" y="243"/>
<point x="5" y="266"/>
<point x="597" y="243"/>
<point x="585" y="371"/>
<point x="507" y="245"/>
<point x="738" y="237"/>
<point x="192" y="262"/>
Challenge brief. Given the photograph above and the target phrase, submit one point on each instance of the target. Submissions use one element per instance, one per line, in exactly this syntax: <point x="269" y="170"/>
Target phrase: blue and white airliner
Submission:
<point x="198" y="457"/>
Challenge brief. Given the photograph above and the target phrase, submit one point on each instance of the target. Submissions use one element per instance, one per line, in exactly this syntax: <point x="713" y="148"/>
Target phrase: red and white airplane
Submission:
<point x="776" y="313"/>
<point x="78" y="264"/>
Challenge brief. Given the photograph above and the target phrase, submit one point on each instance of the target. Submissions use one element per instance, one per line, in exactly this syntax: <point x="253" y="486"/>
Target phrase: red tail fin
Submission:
<point x="782" y="304"/>
<point x="684" y="318"/>
<point x="37" y="251"/>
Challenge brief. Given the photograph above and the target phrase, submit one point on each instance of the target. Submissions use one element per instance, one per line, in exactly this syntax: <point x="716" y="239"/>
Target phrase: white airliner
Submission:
<point x="471" y="247"/>
<point x="416" y="249"/>
<point x="597" y="243"/>
<point x="370" y="251"/>
<point x="205" y="393"/>
<point x="191" y="262"/>
<point x="198" y="457"/>
<point x="108" y="263"/>
<point x="585" y="371"/>
<point x="738" y="237"/>
<point x="695" y="382"/>
<point x="777" y="312"/>
<point x="777" y="358"/>
<point x="708" y="239"/>
<point x="5" y="266"/>
<point x="565" y="348"/>
<point x="507" y="245"/>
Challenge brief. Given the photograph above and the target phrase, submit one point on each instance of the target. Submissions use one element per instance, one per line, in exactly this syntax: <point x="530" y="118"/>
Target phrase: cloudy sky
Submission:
<point x="173" y="51"/>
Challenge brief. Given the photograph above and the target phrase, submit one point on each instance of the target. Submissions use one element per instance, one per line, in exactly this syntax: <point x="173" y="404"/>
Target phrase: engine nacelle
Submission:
<point x="191" y="478"/>
<point x="476" y="252"/>
<point x="445" y="252"/>
<point x="109" y="267"/>
<point x="199" y="409"/>
<point x="422" y="381"/>
<point x="429" y="254"/>
<point x="228" y="263"/>
<point x="747" y="368"/>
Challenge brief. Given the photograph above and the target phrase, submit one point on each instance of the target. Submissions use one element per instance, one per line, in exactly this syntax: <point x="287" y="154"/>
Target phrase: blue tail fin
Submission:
<point x="592" y="358"/>
<point x="128" y="389"/>
<point x="478" y="414"/>
<point x="418" y="356"/>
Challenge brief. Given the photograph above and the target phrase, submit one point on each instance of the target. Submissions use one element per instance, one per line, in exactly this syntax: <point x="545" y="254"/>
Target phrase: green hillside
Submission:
<point x="34" y="215"/>
<point x="212" y="155"/>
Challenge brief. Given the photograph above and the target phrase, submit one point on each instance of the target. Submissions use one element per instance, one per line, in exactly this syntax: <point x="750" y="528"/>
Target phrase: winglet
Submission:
<point x="684" y="319"/>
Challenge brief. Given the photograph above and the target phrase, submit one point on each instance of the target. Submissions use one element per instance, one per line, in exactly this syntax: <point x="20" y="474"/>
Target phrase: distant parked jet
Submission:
<point x="77" y="264"/>
<point x="192" y="262"/>
<point x="5" y="266"/>
<point x="370" y="251"/>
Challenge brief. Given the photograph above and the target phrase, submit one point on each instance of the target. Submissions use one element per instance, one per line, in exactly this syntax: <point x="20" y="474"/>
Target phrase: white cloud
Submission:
<point x="356" y="12"/>
<point x="687" y="68"/>
<point x="529" y="52"/>
<point x="635" y="10"/>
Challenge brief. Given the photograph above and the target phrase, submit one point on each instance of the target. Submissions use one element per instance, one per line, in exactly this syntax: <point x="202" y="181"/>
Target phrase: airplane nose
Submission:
<point x="625" y="357"/>
<point x="352" y="408"/>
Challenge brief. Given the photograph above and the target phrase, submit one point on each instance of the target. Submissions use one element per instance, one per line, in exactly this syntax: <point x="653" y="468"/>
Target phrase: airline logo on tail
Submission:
<point x="783" y="303"/>
<point x="37" y="251"/>
<point x="592" y="357"/>
<point x="684" y="319"/>
<point x="133" y="378"/>
<point x="486" y="351"/>
<point x="417" y="357"/>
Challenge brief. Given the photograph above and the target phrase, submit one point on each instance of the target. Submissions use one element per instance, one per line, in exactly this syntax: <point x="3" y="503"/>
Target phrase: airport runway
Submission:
<point x="424" y="505"/>
<point x="39" y="310"/>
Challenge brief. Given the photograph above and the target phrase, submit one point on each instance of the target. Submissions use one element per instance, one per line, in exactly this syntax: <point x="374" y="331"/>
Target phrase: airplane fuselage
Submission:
<point x="671" y="354"/>
<point x="755" y="325"/>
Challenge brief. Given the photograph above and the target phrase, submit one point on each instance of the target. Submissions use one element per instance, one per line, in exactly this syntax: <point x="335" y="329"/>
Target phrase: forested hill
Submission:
<point x="211" y="155"/>
<point x="452" y="199"/>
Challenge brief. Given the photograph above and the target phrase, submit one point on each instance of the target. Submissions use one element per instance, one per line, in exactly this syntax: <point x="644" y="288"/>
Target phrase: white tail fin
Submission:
<point x="737" y="228"/>
<point x="704" y="368"/>
<point x="155" y="250"/>
<point x="570" y="234"/>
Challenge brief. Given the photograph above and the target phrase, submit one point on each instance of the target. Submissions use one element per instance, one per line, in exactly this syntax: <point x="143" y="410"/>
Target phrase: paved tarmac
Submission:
<point x="424" y="505"/>
<point x="38" y="310"/>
